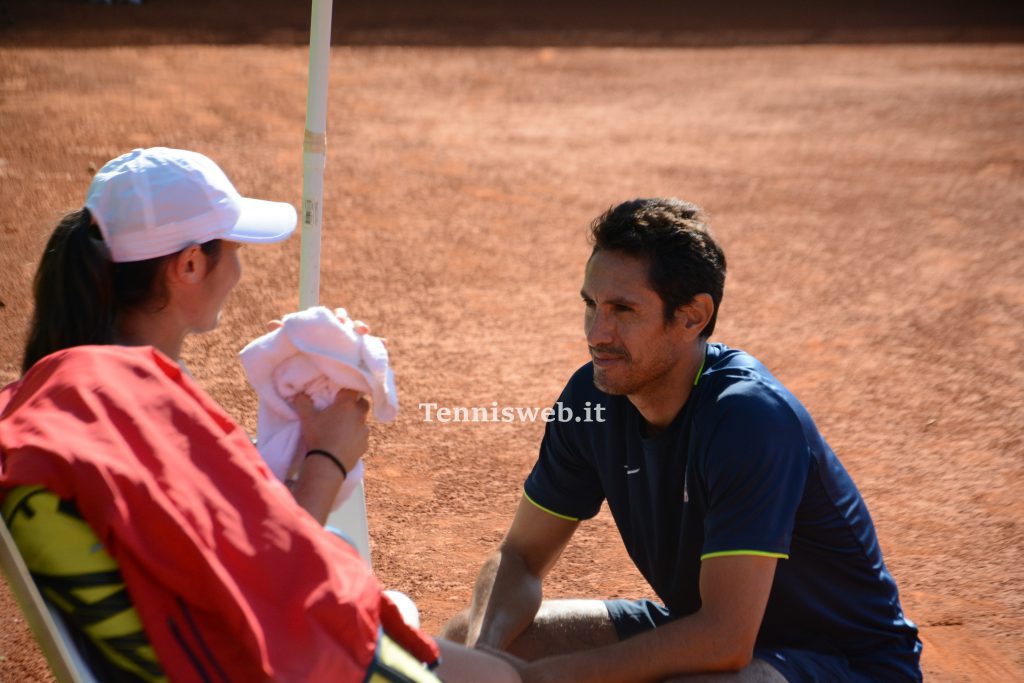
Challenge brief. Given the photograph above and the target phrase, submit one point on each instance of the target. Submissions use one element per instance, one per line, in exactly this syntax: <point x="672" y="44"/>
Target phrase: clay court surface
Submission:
<point x="868" y="193"/>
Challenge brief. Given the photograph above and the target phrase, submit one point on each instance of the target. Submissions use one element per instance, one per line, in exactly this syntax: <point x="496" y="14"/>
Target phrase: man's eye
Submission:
<point x="620" y="308"/>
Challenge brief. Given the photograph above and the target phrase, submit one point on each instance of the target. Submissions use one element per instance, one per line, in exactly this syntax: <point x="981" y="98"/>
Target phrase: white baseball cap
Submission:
<point x="157" y="201"/>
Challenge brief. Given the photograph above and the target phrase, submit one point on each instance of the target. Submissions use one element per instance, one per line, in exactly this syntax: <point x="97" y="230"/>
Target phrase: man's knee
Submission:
<point x="564" y="626"/>
<point x="457" y="628"/>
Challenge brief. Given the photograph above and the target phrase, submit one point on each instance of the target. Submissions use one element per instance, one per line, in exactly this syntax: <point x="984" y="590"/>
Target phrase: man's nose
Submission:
<point x="600" y="328"/>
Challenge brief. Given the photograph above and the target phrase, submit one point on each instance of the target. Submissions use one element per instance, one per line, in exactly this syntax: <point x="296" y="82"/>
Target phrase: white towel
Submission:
<point x="318" y="354"/>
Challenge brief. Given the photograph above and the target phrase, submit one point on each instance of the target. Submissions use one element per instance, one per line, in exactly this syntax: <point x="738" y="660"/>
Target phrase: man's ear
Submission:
<point x="695" y="315"/>
<point x="188" y="266"/>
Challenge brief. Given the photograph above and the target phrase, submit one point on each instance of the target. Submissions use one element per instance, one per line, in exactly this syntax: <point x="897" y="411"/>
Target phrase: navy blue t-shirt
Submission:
<point x="742" y="469"/>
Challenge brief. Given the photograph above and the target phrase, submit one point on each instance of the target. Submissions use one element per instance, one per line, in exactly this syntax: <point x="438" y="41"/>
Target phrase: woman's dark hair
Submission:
<point x="672" y="236"/>
<point x="79" y="291"/>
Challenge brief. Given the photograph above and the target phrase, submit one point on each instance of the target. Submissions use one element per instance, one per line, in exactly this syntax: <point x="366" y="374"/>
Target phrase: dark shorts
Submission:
<point x="632" y="617"/>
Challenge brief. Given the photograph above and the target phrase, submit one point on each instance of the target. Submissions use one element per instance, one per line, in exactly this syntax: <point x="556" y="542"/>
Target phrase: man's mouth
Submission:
<point x="604" y="359"/>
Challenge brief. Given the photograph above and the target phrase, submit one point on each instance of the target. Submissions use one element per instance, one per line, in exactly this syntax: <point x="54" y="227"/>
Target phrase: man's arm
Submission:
<point x="508" y="591"/>
<point x="719" y="637"/>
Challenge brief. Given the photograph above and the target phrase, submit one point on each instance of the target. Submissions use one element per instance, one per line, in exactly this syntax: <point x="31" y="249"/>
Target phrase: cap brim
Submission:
<point x="263" y="222"/>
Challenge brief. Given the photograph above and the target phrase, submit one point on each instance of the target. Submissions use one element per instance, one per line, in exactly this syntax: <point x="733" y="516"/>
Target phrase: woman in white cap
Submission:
<point x="231" y="581"/>
<point x="150" y="259"/>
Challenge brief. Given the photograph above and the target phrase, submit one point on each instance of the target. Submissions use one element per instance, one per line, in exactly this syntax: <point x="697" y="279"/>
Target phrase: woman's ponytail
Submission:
<point x="73" y="287"/>
<point x="80" y="292"/>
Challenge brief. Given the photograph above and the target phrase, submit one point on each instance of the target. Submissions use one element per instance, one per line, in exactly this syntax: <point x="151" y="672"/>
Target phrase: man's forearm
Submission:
<point x="694" y="644"/>
<point x="505" y="601"/>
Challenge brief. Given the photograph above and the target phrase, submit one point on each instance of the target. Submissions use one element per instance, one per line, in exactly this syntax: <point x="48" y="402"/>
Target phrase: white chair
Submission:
<point x="351" y="519"/>
<point x="53" y="637"/>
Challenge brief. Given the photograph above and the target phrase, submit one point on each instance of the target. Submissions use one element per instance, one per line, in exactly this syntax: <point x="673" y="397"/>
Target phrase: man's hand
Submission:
<point x="508" y="591"/>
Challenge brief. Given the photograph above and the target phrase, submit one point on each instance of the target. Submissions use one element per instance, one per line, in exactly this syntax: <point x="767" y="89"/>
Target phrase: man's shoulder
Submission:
<point x="743" y="399"/>
<point x="735" y="377"/>
<point x="724" y="363"/>
<point x="737" y="388"/>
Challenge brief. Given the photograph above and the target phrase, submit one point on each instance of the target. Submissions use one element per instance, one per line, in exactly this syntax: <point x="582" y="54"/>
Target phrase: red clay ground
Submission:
<point x="868" y="197"/>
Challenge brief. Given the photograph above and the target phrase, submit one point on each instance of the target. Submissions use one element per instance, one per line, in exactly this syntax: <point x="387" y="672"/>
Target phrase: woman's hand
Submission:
<point x="339" y="429"/>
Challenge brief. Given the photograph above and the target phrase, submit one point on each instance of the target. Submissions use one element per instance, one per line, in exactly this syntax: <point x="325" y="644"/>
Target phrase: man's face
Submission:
<point x="632" y="348"/>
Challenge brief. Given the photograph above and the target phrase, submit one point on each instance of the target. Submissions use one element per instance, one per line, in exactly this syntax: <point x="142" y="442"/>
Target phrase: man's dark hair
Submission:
<point x="673" y="237"/>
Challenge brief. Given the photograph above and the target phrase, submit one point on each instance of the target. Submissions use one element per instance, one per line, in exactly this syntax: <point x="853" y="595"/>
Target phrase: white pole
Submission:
<point x="314" y="153"/>
<point x="351" y="516"/>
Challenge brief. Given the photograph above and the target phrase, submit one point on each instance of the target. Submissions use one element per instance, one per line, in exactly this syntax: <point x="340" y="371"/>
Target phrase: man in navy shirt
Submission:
<point x="748" y="529"/>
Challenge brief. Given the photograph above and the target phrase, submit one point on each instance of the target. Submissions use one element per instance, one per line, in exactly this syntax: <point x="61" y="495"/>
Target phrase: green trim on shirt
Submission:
<point x="731" y="553"/>
<point x="550" y="512"/>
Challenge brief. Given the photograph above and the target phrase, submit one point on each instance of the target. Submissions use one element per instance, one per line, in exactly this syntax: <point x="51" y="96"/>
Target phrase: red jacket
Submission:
<point x="233" y="581"/>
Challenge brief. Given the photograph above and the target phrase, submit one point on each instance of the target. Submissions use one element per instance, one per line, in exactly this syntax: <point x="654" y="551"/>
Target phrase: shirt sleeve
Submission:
<point x="563" y="482"/>
<point x="755" y="465"/>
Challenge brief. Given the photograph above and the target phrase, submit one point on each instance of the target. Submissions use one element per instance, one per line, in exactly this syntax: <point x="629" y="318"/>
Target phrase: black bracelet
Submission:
<point x="330" y="456"/>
